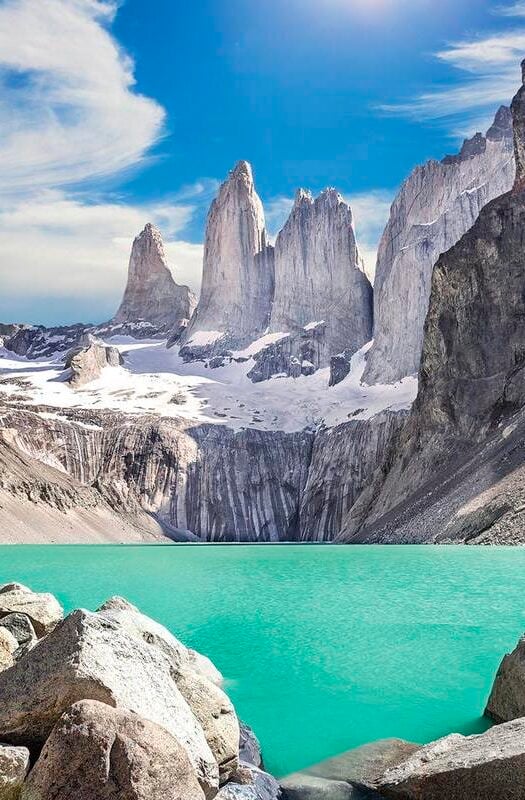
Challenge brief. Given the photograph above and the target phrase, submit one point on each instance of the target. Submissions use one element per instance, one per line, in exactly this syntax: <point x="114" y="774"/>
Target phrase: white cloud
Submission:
<point x="489" y="74"/>
<point x="68" y="110"/>
<point x="53" y="246"/>
<point x="276" y="212"/>
<point x="370" y="212"/>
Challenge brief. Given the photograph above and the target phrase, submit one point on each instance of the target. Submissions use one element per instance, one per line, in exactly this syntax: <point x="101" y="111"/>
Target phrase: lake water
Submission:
<point x="324" y="648"/>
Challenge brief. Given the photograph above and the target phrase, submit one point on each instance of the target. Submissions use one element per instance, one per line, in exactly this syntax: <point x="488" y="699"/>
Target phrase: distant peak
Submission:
<point x="302" y="196"/>
<point x="242" y="169"/>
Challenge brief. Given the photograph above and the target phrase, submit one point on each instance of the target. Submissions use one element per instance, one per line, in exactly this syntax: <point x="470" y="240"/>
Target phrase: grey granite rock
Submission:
<point x="86" y="362"/>
<point x="484" y="767"/>
<point x="42" y="608"/>
<point x="507" y="697"/>
<point x="151" y="294"/>
<point x="20" y="626"/>
<point x="293" y="355"/>
<point x="96" y="752"/>
<point x="301" y="786"/>
<point x="90" y="657"/>
<point x="319" y="276"/>
<point x="455" y="474"/>
<point x="249" y="746"/>
<point x="238" y="273"/>
<point x="14" y="765"/>
<point x="251" y="784"/>
<point x="436" y="205"/>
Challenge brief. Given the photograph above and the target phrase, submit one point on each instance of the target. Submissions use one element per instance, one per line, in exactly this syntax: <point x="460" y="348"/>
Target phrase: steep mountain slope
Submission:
<point x="436" y="205"/>
<point x="458" y="470"/>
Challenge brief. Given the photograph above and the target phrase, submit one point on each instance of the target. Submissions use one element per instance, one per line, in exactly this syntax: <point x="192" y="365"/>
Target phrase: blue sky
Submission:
<point x="114" y="114"/>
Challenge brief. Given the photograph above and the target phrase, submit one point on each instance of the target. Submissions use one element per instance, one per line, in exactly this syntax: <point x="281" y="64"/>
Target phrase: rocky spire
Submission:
<point x="151" y="294"/>
<point x="434" y="208"/>
<point x="518" y="114"/>
<point x="319" y="275"/>
<point x="237" y="276"/>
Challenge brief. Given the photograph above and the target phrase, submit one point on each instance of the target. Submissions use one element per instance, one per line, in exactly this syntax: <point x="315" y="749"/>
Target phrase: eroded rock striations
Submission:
<point x="319" y="275"/>
<point x="151" y="294"/>
<point x="238" y="272"/>
<point x="436" y="205"/>
<point x="458" y="471"/>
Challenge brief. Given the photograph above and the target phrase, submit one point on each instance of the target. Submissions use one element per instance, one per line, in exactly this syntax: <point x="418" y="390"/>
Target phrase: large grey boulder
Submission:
<point x="151" y="294"/>
<point x="8" y="647"/>
<point x="85" y="363"/>
<point x="489" y="766"/>
<point x="208" y="703"/>
<point x="96" y="752"/>
<point x="14" y="764"/>
<point x="301" y="786"/>
<point x="21" y="627"/>
<point x="249" y="746"/>
<point x="507" y="698"/>
<point x="90" y="657"/>
<point x="43" y="609"/>
<point x="251" y="784"/>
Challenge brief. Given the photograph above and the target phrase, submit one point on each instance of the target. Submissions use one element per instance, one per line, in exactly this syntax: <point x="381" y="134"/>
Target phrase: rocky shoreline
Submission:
<point x="109" y="705"/>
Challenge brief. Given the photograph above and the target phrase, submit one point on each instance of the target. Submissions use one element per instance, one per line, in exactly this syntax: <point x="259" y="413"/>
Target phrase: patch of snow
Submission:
<point x="312" y="325"/>
<point x="260" y="344"/>
<point x="155" y="380"/>
<point x="203" y="338"/>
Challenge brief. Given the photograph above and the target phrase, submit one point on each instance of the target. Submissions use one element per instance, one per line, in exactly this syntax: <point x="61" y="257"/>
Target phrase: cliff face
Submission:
<point x="436" y="205"/>
<point x="238" y="275"/>
<point x="151" y="294"/>
<point x="318" y="273"/>
<point x="461" y="451"/>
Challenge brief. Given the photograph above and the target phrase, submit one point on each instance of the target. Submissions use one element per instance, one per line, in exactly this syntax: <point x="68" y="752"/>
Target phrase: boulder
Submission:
<point x="209" y="704"/>
<point x="43" y="609"/>
<point x="98" y="752"/>
<point x="301" y="786"/>
<point x="249" y="747"/>
<point x="251" y="784"/>
<point x="91" y="657"/>
<point x="85" y="363"/>
<point x="488" y="766"/>
<point x="507" y="698"/>
<point x="363" y="766"/>
<point x="8" y="646"/>
<point x="14" y="764"/>
<point x="21" y="627"/>
<point x="204" y="666"/>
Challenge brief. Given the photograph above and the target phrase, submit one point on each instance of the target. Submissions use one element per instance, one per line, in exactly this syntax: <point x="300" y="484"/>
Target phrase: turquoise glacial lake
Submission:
<point x="323" y="648"/>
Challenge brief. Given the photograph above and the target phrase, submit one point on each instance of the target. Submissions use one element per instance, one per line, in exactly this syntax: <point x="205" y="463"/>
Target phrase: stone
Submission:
<point x="95" y="751"/>
<point x="249" y="746"/>
<point x="91" y="657"/>
<point x="209" y="704"/>
<point x="238" y="273"/>
<point x="363" y="766"/>
<point x="301" y="786"/>
<point x="255" y="785"/>
<point x="151" y="293"/>
<point x="435" y="206"/>
<point x="86" y="362"/>
<point x="507" y="697"/>
<point x="204" y="666"/>
<point x="319" y="275"/>
<point x="14" y="765"/>
<point x="8" y="646"/>
<point x="21" y="627"/>
<point x="43" y="609"/>
<point x="489" y="766"/>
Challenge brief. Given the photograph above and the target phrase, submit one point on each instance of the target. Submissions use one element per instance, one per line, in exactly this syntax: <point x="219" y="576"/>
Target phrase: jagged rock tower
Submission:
<point x="238" y="274"/>
<point x="319" y="276"/>
<point x="436" y="205"/>
<point x="151" y="294"/>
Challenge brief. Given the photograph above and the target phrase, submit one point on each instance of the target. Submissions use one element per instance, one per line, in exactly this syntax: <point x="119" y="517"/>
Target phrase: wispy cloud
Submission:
<point x="69" y="110"/>
<point x="56" y="247"/>
<point x="488" y="74"/>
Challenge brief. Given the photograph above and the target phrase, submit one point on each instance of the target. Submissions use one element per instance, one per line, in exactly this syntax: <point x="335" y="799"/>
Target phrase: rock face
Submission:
<point x="86" y="362"/>
<point x="484" y="767"/>
<point x="459" y="451"/>
<point x="507" y="698"/>
<point x="293" y="354"/>
<point x="96" y="751"/>
<point x="151" y="294"/>
<point x="436" y="205"/>
<point x="319" y="276"/>
<point x="238" y="272"/>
